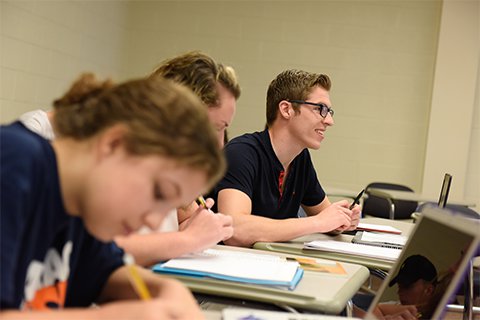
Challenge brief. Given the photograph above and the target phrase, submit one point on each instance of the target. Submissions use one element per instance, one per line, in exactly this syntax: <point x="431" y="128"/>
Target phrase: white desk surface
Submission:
<point x="295" y="246"/>
<point x="317" y="291"/>
<point x="340" y="192"/>
<point x="413" y="196"/>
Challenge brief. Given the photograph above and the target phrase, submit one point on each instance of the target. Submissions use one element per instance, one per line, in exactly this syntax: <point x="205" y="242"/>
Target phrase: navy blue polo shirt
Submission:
<point x="254" y="169"/>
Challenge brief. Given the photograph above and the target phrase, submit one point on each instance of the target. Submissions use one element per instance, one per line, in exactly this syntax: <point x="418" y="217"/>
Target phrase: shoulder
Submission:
<point x="38" y="122"/>
<point x="21" y="147"/>
<point x="246" y="143"/>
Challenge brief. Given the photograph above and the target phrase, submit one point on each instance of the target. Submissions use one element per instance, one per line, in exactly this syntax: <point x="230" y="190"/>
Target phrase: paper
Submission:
<point x="251" y="314"/>
<point x="383" y="238"/>
<point x="354" y="249"/>
<point x="378" y="228"/>
<point x="236" y="266"/>
<point x="311" y="264"/>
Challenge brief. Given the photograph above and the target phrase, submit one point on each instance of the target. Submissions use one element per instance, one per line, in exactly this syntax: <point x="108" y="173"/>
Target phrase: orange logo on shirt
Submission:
<point x="51" y="297"/>
<point x="46" y="281"/>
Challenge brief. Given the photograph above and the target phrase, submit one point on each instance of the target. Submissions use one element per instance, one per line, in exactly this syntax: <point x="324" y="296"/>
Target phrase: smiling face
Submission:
<point x="221" y="115"/>
<point x="308" y="126"/>
<point x="123" y="192"/>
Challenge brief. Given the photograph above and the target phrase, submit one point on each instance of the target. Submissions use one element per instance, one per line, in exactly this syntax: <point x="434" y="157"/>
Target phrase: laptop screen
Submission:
<point x="431" y="265"/>
<point x="447" y="181"/>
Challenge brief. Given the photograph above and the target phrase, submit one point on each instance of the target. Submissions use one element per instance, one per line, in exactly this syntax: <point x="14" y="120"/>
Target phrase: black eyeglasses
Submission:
<point x="322" y="108"/>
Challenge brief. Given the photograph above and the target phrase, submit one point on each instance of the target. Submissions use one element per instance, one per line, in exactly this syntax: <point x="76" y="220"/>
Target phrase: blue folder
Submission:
<point x="291" y="285"/>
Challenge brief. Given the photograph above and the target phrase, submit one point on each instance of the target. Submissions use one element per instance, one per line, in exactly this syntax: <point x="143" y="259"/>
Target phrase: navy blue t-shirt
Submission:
<point x="254" y="169"/>
<point x="48" y="259"/>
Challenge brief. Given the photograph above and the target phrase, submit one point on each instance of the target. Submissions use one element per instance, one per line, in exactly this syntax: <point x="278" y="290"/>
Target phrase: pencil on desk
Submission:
<point x="136" y="280"/>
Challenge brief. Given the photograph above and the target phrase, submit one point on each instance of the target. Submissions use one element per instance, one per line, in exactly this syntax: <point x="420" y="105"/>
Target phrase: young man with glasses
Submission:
<point x="270" y="173"/>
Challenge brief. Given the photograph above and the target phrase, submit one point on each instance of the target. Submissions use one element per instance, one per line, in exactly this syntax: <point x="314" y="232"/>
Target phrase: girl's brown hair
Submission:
<point x="163" y="118"/>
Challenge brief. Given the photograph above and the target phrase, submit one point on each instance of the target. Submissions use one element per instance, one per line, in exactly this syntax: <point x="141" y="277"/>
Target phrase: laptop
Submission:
<point x="438" y="250"/>
<point x="447" y="181"/>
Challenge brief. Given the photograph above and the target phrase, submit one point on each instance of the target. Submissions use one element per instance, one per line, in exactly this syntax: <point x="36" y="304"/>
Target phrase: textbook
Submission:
<point x="235" y="266"/>
<point x="353" y="249"/>
<point x="395" y="241"/>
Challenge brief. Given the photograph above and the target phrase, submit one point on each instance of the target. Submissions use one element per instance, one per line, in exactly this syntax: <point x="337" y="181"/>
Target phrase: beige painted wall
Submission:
<point x="380" y="54"/>
<point x="453" y="138"/>
<point x="45" y="45"/>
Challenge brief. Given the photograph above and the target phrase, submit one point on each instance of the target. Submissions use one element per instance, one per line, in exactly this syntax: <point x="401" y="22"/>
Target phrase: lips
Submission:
<point x="320" y="132"/>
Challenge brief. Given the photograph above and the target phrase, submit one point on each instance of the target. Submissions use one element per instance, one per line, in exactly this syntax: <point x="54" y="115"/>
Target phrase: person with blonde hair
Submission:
<point x="123" y="156"/>
<point x="217" y="86"/>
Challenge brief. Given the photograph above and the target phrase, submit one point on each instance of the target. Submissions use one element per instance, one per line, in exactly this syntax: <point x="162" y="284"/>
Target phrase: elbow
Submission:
<point x="238" y="242"/>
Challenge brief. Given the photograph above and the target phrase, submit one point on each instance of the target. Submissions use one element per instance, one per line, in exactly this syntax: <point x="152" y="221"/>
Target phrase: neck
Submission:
<point x="284" y="145"/>
<point x="72" y="164"/>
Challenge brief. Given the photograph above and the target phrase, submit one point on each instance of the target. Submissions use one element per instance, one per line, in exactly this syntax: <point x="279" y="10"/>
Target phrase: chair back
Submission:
<point x="379" y="207"/>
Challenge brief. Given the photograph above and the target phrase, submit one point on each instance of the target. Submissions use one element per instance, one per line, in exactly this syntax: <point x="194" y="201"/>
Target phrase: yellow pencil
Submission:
<point x="202" y="202"/>
<point x="136" y="280"/>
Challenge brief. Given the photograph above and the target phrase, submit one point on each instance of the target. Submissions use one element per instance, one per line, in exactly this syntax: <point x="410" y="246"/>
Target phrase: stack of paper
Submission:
<point x="385" y="240"/>
<point x="236" y="266"/>
<point x="354" y="249"/>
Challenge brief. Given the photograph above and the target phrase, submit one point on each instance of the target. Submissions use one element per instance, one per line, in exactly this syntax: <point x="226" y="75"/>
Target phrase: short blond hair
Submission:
<point x="201" y="74"/>
<point x="294" y="85"/>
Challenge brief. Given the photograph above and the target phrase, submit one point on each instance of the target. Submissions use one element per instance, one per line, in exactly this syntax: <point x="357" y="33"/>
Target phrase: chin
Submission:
<point x="99" y="235"/>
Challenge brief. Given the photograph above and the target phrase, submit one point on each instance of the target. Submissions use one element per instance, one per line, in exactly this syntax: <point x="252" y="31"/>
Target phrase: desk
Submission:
<point x="339" y="192"/>
<point x="296" y="246"/>
<point x="317" y="291"/>
<point x="412" y="196"/>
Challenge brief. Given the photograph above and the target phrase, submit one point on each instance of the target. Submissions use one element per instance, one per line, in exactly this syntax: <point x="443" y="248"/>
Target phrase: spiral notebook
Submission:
<point x="236" y="266"/>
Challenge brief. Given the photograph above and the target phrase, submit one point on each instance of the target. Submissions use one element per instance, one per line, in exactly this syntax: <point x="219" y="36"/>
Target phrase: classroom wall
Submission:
<point x="452" y="143"/>
<point x="45" y="45"/>
<point x="380" y="55"/>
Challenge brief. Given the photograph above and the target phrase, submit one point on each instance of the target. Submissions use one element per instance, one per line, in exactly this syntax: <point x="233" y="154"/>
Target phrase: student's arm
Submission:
<point x="250" y="228"/>
<point x="354" y="213"/>
<point x="171" y="300"/>
<point x="202" y="230"/>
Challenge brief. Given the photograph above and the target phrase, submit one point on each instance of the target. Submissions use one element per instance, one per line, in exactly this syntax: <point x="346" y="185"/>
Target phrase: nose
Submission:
<point x="328" y="120"/>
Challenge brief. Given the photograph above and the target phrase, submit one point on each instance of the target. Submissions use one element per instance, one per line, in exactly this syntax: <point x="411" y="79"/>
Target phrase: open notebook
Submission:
<point x="236" y="266"/>
<point x="438" y="251"/>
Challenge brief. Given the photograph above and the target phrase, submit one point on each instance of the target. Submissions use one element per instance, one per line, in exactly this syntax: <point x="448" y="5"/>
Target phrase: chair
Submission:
<point x="381" y="205"/>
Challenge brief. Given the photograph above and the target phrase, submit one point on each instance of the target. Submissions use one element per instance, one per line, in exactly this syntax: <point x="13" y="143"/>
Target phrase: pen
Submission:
<point x="136" y="280"/>
<point x="202" y="202"/>
<point x="357" y="199"/>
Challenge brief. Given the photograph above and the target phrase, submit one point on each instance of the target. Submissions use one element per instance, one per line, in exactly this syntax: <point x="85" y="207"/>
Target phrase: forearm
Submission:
<point x="149" y="249"/>
<point x="71" y="314"/>
<point x="250" y="229"/>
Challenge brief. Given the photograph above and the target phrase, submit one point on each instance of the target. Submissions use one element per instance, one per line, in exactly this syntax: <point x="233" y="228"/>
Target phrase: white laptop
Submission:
<point x="439" y="248"/>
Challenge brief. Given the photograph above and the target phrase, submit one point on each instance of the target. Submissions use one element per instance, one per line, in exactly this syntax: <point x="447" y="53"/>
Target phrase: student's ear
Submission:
<point x="111" y="139"/>
<point x="429" y="290"/>
<point x="285" y="109"/>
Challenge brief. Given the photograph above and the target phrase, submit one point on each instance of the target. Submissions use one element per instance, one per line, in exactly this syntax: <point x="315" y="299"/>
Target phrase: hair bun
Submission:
<point x="87" y="86"/>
